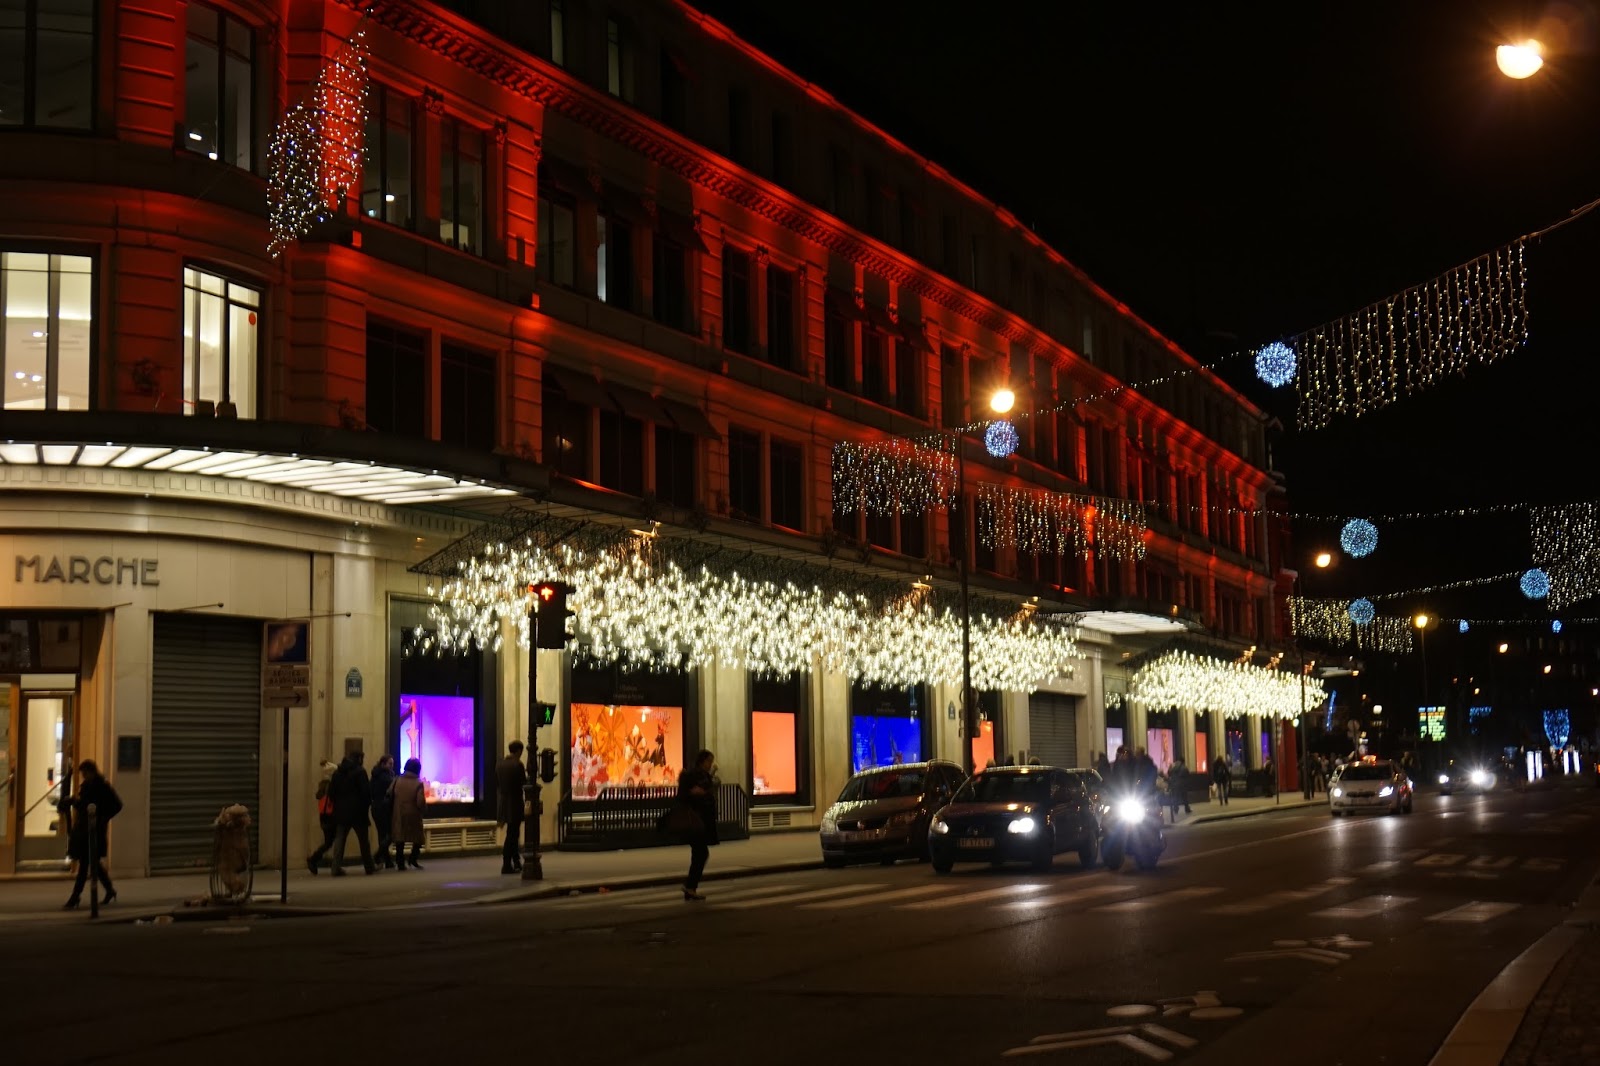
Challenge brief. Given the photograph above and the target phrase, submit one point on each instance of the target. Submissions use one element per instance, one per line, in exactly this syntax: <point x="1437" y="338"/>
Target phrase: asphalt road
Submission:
<point x="1287" y="938"/>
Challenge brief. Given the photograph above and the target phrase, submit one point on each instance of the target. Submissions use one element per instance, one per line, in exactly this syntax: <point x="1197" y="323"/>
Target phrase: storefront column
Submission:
<point x="1252" y="755"/>
<point x="1186" y="737"/>
<point x="1092" y="713"/>
<point x="1137" y="727"/>
<point x="725" y="720"/>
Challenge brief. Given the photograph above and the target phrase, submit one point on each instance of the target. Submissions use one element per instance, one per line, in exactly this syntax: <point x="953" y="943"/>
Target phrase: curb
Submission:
<point x="1297" y="805"/>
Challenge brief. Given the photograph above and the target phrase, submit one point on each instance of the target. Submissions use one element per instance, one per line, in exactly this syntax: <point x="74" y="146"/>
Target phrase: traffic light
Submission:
<point x="547" y="765"/>
<point x="550" y="614"/>
<point x="547" y="714"/>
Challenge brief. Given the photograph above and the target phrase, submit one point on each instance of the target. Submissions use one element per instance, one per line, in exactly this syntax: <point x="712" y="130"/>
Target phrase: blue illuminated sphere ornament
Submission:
<point x="1275" y="364"/>
<point x="1535" y="584"/>
<point x="1464" y="626"/>
<point x="1001" y="439"/>
<point x="1361" y="611"/>
<point x="1358" y="538"/>
<point x="1555" y="625"/>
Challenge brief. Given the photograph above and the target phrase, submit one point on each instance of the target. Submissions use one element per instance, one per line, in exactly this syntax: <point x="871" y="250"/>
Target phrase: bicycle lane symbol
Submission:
<point x="1148" y="1039"/>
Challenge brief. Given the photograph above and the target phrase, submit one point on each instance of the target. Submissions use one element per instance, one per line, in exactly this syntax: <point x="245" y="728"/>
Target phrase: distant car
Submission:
<point x="1459" y="777"/>
<point x="1016" y="814"/>
<point x="882" y="813"/>
<point x="1370" y="785"/>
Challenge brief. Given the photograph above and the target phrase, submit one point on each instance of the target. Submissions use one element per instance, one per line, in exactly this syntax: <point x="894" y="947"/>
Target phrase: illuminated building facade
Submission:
<point x="604" y="265"/>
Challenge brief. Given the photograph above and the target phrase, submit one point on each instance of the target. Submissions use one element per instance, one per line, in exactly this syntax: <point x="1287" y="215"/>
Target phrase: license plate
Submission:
<point x="854" y="836"/>
<point x="975" y="842"/>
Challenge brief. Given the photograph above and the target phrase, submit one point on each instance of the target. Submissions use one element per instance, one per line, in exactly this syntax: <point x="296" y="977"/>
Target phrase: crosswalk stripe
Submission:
<point x="720" y="897"/>
<point x="1278" y="899"/>
<point x="595" y="899"/>
<point x="1379" y="867"/>
<point x="794" y="897"/>
<point x="1474" y="912"/>
<point x="1365" y="907"/>
<point x="881" y="897"/>
<point x="973" y="897"/>
<point x="1160" y="899"/>
<point x="1076" y="895"/>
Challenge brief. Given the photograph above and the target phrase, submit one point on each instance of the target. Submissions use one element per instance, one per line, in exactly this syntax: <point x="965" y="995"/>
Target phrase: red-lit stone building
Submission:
<point x="607" y="263"/>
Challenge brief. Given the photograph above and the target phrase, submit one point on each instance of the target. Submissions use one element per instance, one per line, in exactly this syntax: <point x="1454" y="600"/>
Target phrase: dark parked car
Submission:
<point x="883" y="813"/>
<point x="1016" y="814"/>
<point x="1464" y="777"/>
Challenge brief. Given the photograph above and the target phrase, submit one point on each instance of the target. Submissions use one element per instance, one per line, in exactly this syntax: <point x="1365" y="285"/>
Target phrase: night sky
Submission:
<point x="1237" y="176"/>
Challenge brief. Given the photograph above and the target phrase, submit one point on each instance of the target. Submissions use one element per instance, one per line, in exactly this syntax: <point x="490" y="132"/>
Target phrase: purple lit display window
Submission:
<point x="439" y="731"/>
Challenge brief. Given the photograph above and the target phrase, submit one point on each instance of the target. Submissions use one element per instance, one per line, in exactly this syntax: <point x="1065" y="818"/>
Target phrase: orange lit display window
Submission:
<point x="773" y="753"/>
<point x="619" y="746"/>
<point x="983" y="745"/>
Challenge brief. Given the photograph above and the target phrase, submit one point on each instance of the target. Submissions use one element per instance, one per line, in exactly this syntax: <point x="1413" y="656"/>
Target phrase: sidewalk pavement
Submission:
<point x="456" y="880"/>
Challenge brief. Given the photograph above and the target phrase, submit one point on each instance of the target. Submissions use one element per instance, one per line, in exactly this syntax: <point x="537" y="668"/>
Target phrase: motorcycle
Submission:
<point x="1134" y="828"/>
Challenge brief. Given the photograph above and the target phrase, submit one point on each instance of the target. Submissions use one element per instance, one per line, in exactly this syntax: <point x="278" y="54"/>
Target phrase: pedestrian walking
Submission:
<point x="324" y="816"/>
<point x="1103" y="765"/>
<point x="1178" y="785"/>
<point x="410" y="799"/>
<point x="1222" y="777"/>
<point x="694" y="817"/>
<point x="351" y="790"/>
<point x="93" y="791"/>
<point x="1144" y="771"/>
<point x="383" y="776"/>
<point x="1122" y="777"/>
<point x="511" y="781"/>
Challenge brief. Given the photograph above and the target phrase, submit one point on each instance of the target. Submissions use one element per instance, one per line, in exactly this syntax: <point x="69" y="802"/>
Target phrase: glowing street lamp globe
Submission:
<point x="1520" y="61"/>
<point x="1002" y="401"/>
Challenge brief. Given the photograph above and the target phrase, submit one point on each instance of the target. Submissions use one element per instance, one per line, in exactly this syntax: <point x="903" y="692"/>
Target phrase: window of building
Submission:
<point x="614" y="261"/>
<point x="558" y="32"/>
<point x="619" y="61"/>
<point x="558" y="246"/>
<point x="621" y="452"/>
<point x="567" y="422"/>
<point x="397" y="375"/>
<point x="47" y="63"/>
<point x="386" y="175"/>
<point x="461" y="186"/>
<point x="778" y="753"/>
<point x="676" y="451"/>
<point x="838" y="338"/>
<point x="780" y="318"/>
<point x="219" y="113"/>
<point x="782" y="150"/>
<point x="744" y="474"/>
<point x="974" y="263"/>
<point x="952" y="386"/>
<point x="788" y="485"/>
<point x="669" y="294"/>
<point x="948" y="242"/>
<point x="908" y="221"/>
<point x="739" y="125"/>
<point x="467" y="390"/>
<point x="46" y="344"/>
<point x="880" y="530"/>
<point x="913" y="533"/>
<point x="908" y="379"/>
<point x="838" y="198"/>
<point x="736" y="300"/>
<point x="875" y="205"/>
<point x="219" y="342"/>
<point x="874" y="366"/>
<point x="674" y="92"/>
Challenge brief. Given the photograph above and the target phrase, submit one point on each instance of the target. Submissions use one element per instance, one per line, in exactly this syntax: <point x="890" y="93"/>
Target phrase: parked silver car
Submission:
<point x="883" y="813"/>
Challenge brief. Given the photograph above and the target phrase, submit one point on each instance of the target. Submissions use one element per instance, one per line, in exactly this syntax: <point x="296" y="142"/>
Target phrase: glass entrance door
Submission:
<point x="41" y="753"/>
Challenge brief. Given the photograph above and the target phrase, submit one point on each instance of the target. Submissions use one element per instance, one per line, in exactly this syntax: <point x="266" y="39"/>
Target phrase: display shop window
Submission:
<point x="219" y="108"/>
<point x="1159" y="744"/>
<point x="386" y="192"/>
<point x="46" y="346"/>
<point x="467" y="411"/>
<point x="1235" y="740"/>
<point x="626" y="729"/>
<point x="988" y="741"/>
<point x="47" y="63"/>
<point x="888" y="726"/>
<point x="779" y="763"/>
<point x="461" y="156"/>
<point x="442" y="713"/>
<point x="220" y="343"/>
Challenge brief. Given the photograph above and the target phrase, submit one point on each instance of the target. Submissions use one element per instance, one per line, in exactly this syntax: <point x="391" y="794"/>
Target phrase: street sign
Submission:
<point x="286" y="665"/>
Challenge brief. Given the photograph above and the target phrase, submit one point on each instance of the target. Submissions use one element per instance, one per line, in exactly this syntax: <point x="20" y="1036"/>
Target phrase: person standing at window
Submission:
<point x="511" y="779"/>
<point x="409" y="801"/>
<point x="383" y="777"/>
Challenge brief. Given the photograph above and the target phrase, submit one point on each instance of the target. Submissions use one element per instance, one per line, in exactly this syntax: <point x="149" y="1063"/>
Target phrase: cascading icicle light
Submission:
<point x="1338" y="622"/>
<point x="1183" y="679"/>
<point x="634" y="605"/>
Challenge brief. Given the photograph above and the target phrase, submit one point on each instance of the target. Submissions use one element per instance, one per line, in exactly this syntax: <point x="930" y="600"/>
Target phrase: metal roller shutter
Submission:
<point x="1053" y="729"/>
<point x="205" y="733"/>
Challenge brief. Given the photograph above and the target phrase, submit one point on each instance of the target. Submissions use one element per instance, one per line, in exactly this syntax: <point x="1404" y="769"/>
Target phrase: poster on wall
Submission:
<point x="622" y="746"/>
<point x="438" y="731"/>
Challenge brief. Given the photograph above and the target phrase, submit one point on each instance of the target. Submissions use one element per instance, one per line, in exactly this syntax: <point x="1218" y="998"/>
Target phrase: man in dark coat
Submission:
<point x="93" y="791"/>
<point x="352" y="810"/>
<point x="383" y="776"/>
<point x="511" y="777"/>
<point x="1122" y="779"/>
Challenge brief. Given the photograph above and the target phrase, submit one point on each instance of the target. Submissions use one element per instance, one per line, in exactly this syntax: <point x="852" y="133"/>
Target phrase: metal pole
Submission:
<point x="283" y="851"/>
<point x="531" y="870"/>
<point x="93" y="861"/>
<point x="969" y="723"/>
<point x="1308" y="787"/>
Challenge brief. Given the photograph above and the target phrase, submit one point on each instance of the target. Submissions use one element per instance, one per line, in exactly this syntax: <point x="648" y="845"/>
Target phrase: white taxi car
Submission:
<point x="1370" y="785"/>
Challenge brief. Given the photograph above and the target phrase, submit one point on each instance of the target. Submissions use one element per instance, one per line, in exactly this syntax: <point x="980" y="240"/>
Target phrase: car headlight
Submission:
<point x="903" y="818"/>
<point x="1444" y="779"/>
<point x="1021" y="825"/>
<point x="1338" y="792"/>
<point x="1386" y="790"/>
<point x="1131" y="810"/>
<point x="1481" y="778"/>
<point x="939" y="827"/>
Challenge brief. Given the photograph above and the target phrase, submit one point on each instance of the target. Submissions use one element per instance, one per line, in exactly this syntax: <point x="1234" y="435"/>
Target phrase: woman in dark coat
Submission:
<point x="96" y="791"/>
<point x="383" y="805"/>
<point x="697" y="794"/>
<point x="410" y="800"/>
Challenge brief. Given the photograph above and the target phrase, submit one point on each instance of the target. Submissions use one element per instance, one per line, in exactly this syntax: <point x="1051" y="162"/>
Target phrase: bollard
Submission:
<point x="94" y="872"/>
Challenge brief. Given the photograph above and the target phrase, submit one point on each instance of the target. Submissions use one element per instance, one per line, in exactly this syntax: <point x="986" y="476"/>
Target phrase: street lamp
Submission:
<point x="1324" y="560"/>
<point x="1421" y="622"/>
<point x="999" y="403"/>
<point x="1520" y="61"/>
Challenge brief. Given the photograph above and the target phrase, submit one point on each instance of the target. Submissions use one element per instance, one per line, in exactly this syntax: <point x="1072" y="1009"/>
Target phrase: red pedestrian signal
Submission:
<point x="550" y="613"/>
